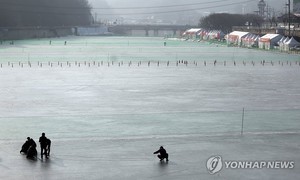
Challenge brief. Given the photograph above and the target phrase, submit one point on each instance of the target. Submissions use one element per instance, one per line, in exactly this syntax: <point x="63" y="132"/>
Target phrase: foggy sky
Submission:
<point x="135" y="8"/>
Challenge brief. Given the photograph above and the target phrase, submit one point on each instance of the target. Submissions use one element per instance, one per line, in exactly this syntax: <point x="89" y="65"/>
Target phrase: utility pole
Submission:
<point x="289" y="16"/>
<point x="242" y="129"/>
<point x="95" y="18"/>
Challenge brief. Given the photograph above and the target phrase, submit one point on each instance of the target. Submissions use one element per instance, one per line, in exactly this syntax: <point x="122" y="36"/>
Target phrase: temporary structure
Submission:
<point x="191" y="33"/>
<point x="254" y="41"/>
<point x="291" y="43"/>
<point x="203" y="34"/>
<point x="249" y="40"/>
<point x="215" y="34"/>
<point x="282" y="44"/>
<point x="268" y="41"/>
<point x="281" y="41"/>
<point x="235" y="37"/>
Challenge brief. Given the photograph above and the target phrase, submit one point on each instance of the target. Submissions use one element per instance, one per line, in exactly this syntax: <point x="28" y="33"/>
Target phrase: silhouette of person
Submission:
<point x="162" y="154"/>
<point x="25" y="146"/>
<point x="32" y="142"/>
<point x="32" y="152"/>
<point x="43" y="144"/>
<point x="48" y="147"/>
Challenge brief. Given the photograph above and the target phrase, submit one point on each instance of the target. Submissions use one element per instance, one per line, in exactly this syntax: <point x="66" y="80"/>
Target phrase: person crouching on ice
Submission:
<point x="162" y="154"/>
<point x="25" y="146"/>
<point x="32" y="152"/>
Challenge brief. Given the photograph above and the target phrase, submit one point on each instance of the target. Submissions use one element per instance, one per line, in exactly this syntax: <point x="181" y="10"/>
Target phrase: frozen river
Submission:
<point x="130" y="49"/>
<point x="108" y="102"/>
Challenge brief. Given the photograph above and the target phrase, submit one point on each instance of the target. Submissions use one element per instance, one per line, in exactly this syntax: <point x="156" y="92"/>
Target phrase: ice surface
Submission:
<point x="106" y="121"/>
<point x="131" y="49"/>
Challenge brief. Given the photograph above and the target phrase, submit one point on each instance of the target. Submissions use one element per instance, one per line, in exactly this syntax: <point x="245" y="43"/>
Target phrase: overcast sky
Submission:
<point x="138" y="8"/>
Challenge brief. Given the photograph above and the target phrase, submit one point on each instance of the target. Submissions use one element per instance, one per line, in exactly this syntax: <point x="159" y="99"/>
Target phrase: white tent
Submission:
<point x="250" y="40"/>
<point x="282" y="44"/>
<point x="215" y="34"/>
<point x="286" y="40"/>
<point x="268" y="41"/>
<point x="281" y="41"/>
<point x="235" y="37"/>
<point x="203" y="34"/>
<point x="246" y="40"/>
<point x="191" y="33"/>
<point x="291" y="43"/>
<point x="254" y="41"/>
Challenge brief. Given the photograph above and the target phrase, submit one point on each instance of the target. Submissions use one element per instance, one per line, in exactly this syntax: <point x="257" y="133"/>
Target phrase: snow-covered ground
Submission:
<point x="106" y="120"/>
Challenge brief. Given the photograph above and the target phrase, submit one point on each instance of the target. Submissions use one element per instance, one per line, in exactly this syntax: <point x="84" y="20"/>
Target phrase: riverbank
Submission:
<point x="20" y="33"/>
<point x="134" y="49"/>
<point x="224" y="43"/>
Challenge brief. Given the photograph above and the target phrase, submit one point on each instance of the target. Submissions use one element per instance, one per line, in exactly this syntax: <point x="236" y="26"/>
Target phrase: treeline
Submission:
<point x="49" y="13"/>
<point x="225" y="21"/>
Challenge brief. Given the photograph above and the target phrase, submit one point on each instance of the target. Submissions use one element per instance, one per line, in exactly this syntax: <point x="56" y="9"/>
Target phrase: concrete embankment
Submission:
<point x="34" y="32"/>
<point x="17" y="33"/>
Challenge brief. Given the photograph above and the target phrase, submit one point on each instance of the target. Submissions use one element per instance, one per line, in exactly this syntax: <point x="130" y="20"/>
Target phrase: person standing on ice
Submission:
<point x="48" y="147"/>
<point x="43" y="143"/>
<point x="162" y="154"/>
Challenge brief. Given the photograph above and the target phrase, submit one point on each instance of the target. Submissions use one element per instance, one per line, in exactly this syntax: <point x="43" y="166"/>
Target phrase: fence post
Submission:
<point x="242" y="129"/>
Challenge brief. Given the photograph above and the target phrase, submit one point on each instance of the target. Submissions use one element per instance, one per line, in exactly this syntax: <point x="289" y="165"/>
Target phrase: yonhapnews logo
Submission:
<point x="215" y="164"/>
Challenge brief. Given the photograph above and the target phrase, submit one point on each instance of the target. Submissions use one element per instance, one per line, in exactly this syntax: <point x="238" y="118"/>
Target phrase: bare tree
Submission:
<point x="20" y="13"/>
<point x="225" y="21"/>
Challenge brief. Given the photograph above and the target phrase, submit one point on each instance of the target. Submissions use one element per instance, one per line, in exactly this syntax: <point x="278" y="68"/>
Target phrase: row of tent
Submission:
<point x="244" y="39"/>
<point x="202" y="34"/>
<point x="268" y="41"/>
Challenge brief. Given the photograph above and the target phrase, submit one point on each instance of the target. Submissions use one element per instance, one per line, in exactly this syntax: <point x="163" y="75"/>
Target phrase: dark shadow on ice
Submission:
<point x="33" y="159"/>
<point x="46" y="164"/>
<point x="162" y="169"/>
<point x="57" y="161"/>
<point x="31" y="162"/>
<point x="163" y="164"/>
